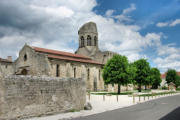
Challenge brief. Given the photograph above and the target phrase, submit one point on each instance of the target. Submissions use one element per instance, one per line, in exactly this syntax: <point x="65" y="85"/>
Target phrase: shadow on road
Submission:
<point x="174" y="115"/>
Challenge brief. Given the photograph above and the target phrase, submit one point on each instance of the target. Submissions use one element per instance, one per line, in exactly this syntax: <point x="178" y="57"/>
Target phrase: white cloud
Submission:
<point x="61" y="11"/>
<point x="174" y="23"/>
<point x="109" y="13"/>
<point x="169" y="23"/>
<point x="162" y="24"/>
<point x="128" y="10"/>
<point x="124" y="15"/>
<point x="54" y="24"/>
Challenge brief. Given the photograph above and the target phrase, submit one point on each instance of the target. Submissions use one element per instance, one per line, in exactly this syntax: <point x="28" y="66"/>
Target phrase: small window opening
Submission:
<point x="25" y="57"/>
<point x="57" y="70"/>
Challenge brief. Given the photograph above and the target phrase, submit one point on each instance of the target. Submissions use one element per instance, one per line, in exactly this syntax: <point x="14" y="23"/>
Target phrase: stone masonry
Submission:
<point x="27" y="96"/>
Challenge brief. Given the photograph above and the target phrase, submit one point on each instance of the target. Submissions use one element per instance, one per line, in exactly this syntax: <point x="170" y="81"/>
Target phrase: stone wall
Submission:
<point x="26" y="96"/>
<point x="35" y="63"/>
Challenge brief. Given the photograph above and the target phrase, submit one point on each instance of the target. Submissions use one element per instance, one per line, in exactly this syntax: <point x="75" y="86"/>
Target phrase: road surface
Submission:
<point x="166" y="108"/>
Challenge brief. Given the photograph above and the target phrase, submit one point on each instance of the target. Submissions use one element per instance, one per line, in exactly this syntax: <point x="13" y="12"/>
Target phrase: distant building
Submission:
<point x="163" y="77"/>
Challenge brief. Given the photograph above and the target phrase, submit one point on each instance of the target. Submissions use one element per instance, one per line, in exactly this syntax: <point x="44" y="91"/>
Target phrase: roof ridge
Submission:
<point x="58" y="52"/>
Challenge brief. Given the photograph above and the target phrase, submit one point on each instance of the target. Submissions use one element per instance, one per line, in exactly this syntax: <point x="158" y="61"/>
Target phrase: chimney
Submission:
<point x="9" y="58"/>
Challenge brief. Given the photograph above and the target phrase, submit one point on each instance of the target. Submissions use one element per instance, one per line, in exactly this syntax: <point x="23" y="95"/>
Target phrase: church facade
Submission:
<point x="87" y="62"/>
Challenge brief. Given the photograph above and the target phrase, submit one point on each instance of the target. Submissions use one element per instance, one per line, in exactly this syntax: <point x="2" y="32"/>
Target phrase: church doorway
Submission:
<point x="24" y="72"/>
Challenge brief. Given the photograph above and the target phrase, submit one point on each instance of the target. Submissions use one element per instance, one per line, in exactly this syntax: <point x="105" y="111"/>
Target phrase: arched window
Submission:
<point x="82" y="41"/>
<point x="95" y="40"/>
<point x="25" y="57"/>
<point x="88" y="40"/>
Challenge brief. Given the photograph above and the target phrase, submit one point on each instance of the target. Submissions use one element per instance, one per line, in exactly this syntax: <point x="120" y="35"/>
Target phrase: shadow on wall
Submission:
<point x="173" y="115"/>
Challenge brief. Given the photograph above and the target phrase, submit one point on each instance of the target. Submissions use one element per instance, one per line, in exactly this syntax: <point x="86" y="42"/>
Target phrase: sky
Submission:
<point x="147" y="29"/>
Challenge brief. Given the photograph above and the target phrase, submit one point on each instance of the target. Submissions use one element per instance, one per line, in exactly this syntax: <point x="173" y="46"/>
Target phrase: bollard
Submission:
<point x="139" y="98"/>
<point x="152" y="95"/>
<point x="117" y="98"/>
<point x="144" y="98"/>
<point x="148" y="96"/>
<point x="103" y="97"/>
<point x="133" y="99"/>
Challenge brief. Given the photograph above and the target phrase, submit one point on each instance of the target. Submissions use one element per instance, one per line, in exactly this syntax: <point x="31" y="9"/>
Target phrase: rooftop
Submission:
<point x="5" y="60"/>
<point x="164" y="75"/>
<point x="54" y="54"/>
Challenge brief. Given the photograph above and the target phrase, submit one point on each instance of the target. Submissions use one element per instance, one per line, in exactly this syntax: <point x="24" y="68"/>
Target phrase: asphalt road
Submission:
<point x="167" y="108"/>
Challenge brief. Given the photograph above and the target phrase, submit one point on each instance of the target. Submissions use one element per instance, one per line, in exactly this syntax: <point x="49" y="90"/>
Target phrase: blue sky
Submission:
<point x="147" y="14"/>
<point x="134" y="28"/>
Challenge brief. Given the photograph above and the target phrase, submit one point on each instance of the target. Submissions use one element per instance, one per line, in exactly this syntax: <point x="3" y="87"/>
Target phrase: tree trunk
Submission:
<point x="145" y="87"/>
<point x="139" y="87"/>
<point x="119" y="88"/>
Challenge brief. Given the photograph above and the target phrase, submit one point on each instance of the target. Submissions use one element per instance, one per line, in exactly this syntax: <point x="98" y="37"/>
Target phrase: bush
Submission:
<point x="178" y="89"/>
<point x="164" y="88"/>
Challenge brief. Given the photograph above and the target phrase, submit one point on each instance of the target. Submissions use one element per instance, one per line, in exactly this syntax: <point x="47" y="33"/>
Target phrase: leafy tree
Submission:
<point x="177" y="82"/>
<point x="116" y="71"/>
<point x="171" y="76"/>
<point x="142" y="73"/>
<point x="155" y="77"/>
<point x="132" y="72"/>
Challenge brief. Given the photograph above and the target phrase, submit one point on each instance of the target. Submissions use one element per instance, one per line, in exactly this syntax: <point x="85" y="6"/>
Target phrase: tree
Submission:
<point x="155" y="76"/>
<point x="116" y="71"/>
<point x="132" y="72"/>
<point x="171" y="76"/>
<point x="177" y="82"/>
<point x="142" y="73"/>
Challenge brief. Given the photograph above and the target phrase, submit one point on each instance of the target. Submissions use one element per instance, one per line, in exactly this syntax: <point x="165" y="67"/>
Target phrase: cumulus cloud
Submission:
<point x="109" y="13"/>
<point x="169" y="23"/>
<point x="54" y="24"/>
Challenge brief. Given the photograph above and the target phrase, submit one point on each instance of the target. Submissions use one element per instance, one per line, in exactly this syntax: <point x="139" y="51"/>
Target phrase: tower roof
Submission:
<point x="89" y="27"/>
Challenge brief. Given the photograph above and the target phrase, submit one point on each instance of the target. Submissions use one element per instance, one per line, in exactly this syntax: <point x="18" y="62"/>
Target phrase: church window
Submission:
<point x="82" y="41"/>
<point x="74" y="72"/>
<point x="99" y="74"/>
<point x="88" y="73"/>
<point x="57" y="70"/>
<point x="25" y="57"/>
<point x="88" y="40"/>
<point x="95" y="40"/>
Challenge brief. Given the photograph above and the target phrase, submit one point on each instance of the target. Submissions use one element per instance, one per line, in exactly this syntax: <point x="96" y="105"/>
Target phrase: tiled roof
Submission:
<point x="54" y="54"/>
<point x="5" y="60"/>
<point x="164" y="75"/>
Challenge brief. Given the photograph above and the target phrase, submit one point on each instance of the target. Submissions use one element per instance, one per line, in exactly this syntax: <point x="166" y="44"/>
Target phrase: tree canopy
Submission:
<point x="171" y="76"/>
<point x="116" y="71"/>
<point x="142" y="73"/>
<point x="155" y="76"/>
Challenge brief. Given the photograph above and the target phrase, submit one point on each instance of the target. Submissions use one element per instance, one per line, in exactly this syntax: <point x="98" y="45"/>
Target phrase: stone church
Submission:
<point x="87" y="62"/>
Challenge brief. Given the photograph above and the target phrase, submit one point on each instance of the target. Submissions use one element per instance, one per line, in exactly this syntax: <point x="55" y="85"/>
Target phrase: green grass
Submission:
<point x="155" y="94"/>
<point x="178" y="89"/>
<point x="113" y="93"/>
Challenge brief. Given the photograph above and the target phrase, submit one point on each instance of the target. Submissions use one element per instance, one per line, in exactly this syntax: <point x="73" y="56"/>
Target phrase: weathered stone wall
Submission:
<point x="6" y="68"/>
<point x="25" y="96"/>
<point x="66" y="69"/>
<point x="35" y="63"/>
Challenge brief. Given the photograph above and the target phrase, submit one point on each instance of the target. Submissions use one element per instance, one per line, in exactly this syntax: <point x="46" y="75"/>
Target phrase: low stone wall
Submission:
<point x="27" y="96"/>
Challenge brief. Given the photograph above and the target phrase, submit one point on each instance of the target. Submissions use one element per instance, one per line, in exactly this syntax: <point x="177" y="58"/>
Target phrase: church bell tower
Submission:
<point x="88" y="40"/>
